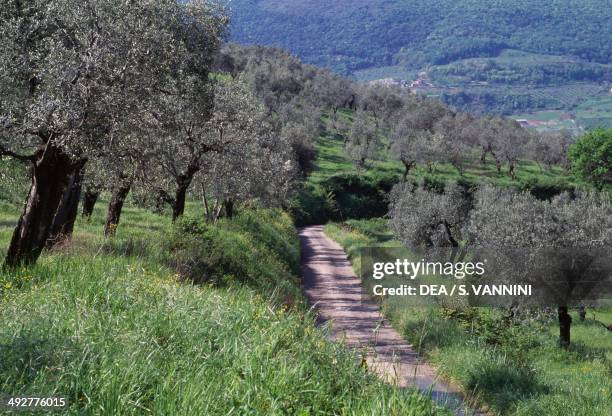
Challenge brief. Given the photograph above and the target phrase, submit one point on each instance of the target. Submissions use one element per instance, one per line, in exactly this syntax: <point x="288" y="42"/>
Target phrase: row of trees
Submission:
<point x="426" y="132"/>
<point x="421" y="130"/>
<point x="557" y="241"/>
<point x="119" y="96"/>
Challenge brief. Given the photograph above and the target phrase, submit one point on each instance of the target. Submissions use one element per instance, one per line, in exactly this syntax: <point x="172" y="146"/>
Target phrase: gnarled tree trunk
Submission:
<point x="511" y="171"/>
<point x="483" y="155"/>
<point x="582" y="313"/>
<point x="565" y="323"/>
<point x="114" y="209"/>
<point x="498" y="165"/>
<point x="229" y="208"/>
<point x="89" y="202"/>
<point x="408" y="164"/>
<point x="178" y="206"/>
<point x="65" y="217"/>
<point x="50" y="176"/>
<point x="183" y="182"/>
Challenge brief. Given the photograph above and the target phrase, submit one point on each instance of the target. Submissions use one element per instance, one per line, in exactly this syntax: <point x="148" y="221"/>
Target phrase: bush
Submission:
<point x="309" y="206"/>
<point x="343" y="196"/>
<point x="545" y="189"/>
<point x="222" y="254"/>
<point x="591" y="157"/>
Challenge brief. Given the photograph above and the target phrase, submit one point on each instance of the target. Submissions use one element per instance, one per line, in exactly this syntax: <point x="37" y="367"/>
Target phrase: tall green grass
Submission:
<point x="514" y="369"/>
<point x="117" y="328"/>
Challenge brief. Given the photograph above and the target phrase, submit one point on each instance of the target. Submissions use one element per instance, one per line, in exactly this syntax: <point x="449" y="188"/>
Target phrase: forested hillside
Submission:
<point x="505" y="57"/>
<point x="352" y="35"/>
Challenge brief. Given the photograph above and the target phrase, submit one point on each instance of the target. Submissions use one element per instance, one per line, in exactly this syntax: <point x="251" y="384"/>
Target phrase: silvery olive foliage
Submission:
<point x="96" y="82"/>
<point x="299" y="123"/>
<point x="386" y="104"/>
<point x="427" y="132"/>
<point x="414" y="146"/>
<point x="255" y="161"/>
<point x="364" y="141"/>
<point x="456" y="142"/>
<point x="425" y="218"/>
<point x="79" y="74"/>
<point x="236" y="154"/>
<point x="561" y="245"/>
<point x="277" y="78"/>
<point x="511" y="144"/>
<point x="500" y="217"/>
<point x="294" y="94"/>
<point x="503" y="217"/>
<point x="261" y="168"/>
<point x="504" y="139"/>
<point x="550" y="149"/>
<point x="485" y="132"/>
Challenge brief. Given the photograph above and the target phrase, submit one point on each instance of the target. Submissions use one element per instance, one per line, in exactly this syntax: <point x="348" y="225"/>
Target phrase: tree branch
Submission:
<point x="22" y="158"/>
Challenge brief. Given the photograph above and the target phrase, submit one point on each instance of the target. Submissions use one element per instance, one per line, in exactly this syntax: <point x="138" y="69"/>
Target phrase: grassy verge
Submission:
<point x="118" y="327"/>
<point x="515" y="369"/>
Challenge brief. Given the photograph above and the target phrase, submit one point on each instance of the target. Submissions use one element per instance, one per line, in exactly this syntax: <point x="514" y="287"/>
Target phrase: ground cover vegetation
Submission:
<point x="203" y="154"/>
<point x="509" y="363"/>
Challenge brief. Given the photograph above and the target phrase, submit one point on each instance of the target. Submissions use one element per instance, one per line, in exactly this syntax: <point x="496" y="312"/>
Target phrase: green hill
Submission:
<point x="352" y="35"/>
<point x="505" y="56"/>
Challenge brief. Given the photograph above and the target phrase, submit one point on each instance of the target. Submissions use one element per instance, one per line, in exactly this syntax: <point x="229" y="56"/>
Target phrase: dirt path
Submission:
<point x="335" y="291"/>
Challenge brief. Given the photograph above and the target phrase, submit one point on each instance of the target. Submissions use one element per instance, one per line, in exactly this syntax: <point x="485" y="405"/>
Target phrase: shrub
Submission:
<point x="591" y="157"/>
<point x="223" y="254"/>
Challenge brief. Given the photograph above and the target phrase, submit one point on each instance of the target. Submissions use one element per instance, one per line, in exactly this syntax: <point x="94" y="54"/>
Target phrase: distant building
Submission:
<point x="523" y="122"/>
<point x="421" y="82"/>
<point x="390" y="82"/>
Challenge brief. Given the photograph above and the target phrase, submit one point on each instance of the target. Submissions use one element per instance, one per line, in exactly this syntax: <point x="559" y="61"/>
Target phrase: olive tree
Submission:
<point x="412" y="147"/>
<point x="557" y="242"/>
<point x="205" y="142"/>
<point x="425" y="218"/>
<point x="550" y="149"/>
<point x="486" y="132"/>
<point x="299" y="123"/>
<point x="415" y="138"/>
<point x="456" y="141"/>
<point x="71" y="72"/>
<point x="364" y="141"/>
<point x="260" y="166"/>
<point x="387" y="104"/>
<point x="512" y="143"/>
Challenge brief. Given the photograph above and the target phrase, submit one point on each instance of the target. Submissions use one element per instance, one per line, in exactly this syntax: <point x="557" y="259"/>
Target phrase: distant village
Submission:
<point x="421" y="82"/>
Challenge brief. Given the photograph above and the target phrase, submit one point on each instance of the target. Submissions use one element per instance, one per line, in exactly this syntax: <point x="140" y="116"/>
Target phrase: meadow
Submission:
<point x="120" y="326"/>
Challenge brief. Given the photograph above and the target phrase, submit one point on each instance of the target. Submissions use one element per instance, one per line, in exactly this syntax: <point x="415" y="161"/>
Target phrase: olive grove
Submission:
<point x="560" y="245"/>
<point x="114" y="96"/>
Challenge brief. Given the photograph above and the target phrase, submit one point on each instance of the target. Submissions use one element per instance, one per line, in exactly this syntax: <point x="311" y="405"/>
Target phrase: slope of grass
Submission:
<point x="115" y="328"/>
<point x="332" y="160"/>
<point x="337" y="189"/>
<point x="515" y="369"/>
